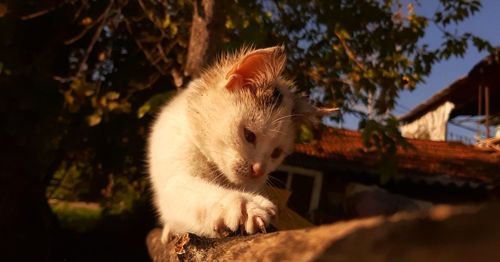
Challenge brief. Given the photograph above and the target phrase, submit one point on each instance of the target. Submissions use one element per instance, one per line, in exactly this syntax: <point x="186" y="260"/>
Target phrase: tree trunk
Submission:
<point x="29" y="108"/>
<point x="206" y="35"/>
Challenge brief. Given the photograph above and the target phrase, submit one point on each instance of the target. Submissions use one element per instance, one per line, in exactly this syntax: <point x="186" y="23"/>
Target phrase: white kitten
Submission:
<point x="212" y="147"/>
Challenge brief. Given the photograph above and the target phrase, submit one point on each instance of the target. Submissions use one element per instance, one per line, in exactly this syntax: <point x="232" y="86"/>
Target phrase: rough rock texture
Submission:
<point x="445" y="233"/>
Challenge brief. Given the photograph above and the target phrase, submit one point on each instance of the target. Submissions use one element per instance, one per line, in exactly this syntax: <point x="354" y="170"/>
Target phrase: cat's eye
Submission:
<point x="276" y="153"/>
<point x="249" y="136"/>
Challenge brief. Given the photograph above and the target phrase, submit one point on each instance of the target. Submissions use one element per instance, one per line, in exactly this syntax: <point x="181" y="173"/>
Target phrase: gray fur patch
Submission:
<point x="270" y="97"/>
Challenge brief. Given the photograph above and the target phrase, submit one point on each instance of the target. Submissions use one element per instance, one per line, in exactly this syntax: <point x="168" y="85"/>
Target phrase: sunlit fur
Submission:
<point x="199" y="161"/>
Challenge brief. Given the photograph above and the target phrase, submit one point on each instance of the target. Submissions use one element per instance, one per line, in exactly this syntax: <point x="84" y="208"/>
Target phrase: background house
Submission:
<point x="328" y="176"/>
<point x="323" y="175"/>
<point x="470" y="102"/>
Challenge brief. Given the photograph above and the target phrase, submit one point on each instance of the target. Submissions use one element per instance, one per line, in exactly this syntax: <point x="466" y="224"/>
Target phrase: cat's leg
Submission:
<point x="190" y="204"/>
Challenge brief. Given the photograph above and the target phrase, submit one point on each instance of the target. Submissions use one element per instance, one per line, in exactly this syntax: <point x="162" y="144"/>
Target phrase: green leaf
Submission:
<point x="154" y="103"/>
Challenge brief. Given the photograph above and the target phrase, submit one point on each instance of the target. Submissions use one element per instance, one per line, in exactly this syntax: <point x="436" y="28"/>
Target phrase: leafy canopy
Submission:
<point x="119" y="60"/>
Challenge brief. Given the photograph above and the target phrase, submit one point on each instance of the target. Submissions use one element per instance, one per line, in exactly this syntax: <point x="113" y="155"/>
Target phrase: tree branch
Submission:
<point x="96" y="36"/>
<point x="348" y="51"/>
<point x="86" y="29"/>
<point x="42" y="12"/>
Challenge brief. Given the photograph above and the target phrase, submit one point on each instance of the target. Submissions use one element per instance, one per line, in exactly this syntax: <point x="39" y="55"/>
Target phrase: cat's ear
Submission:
<point x="267" y="62"/>
<point x="307" y="114"/>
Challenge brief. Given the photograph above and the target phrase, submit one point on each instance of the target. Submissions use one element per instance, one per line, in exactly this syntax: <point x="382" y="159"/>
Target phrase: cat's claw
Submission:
<point x="260" y="212"/>
<point x="251" y="213"/>
<point x="272" y="212"/>
<point x="221" y="229"/>
<point x="261" y="225"/>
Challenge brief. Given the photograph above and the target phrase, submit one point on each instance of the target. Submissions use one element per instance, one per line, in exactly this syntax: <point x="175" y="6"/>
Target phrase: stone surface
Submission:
<point x="365" y="201"/>
<point x="445" y="233"/>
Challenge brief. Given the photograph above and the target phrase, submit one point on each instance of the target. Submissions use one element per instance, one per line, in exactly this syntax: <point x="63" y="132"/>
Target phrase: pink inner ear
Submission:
<point x="235" y="81"/>
<point x="246" y="69"/>
<point x="251" y="65"/>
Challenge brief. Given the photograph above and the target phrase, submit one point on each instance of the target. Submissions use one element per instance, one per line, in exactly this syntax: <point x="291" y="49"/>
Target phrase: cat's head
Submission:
<point x="247" y="115"/>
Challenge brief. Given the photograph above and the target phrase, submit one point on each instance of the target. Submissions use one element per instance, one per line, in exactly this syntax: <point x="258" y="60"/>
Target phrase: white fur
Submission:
<point x="197" y="143"/>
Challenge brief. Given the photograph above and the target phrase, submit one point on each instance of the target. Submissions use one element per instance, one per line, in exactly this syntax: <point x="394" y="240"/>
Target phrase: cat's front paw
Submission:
<point x="252" y="213"/>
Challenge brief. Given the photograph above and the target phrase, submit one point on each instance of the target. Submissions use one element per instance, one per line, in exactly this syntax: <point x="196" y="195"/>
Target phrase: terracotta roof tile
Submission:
<point x="431" y="158"/>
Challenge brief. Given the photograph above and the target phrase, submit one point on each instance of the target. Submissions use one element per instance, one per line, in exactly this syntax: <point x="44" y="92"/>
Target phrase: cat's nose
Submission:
<point x="257" y="170"/>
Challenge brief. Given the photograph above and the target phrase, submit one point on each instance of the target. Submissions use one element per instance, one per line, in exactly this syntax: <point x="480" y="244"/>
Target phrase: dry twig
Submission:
<point x="96" y="36"/>
<point x="43" y="12"/>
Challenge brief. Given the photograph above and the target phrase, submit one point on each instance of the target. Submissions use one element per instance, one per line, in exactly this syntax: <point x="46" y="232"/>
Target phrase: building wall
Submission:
<point x="430" y="126"/>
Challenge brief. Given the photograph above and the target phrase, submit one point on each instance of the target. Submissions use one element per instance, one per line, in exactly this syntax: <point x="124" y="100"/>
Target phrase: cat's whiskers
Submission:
<point x="284" y="214"/>
<point x="276" y="180"/>
<point x="217" y="177"/>
<point x="273" y="186"/>
<point x="277" y="131"/>
<point x="275" y="191"/>
<point x="284" y="117"/>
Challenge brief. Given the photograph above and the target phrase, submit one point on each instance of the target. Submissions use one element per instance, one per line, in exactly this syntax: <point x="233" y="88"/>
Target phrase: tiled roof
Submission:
<point x="430" y="159"/>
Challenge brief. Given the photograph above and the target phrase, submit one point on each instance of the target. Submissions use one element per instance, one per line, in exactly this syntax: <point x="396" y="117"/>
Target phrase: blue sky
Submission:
<point x="485" y="23"/>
